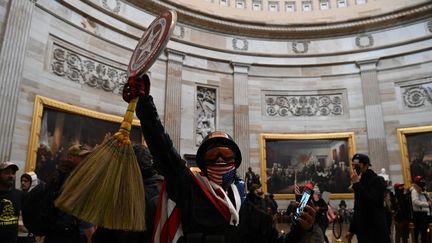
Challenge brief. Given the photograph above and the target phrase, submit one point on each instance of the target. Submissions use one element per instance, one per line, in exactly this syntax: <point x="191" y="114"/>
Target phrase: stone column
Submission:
<point x="374" y="114"/>
<point x="12" y="54"/>
<point x="241" y="114"/>
<point x="173" y="92"/>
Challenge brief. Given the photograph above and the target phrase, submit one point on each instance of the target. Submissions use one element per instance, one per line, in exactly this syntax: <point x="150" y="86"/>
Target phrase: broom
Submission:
<point x="106" y="188"/>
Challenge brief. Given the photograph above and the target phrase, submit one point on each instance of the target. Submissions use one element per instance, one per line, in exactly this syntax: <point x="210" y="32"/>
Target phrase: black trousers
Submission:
<point x="421" y="224"/>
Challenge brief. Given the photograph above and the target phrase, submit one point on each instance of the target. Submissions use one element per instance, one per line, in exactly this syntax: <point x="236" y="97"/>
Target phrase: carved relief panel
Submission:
<point x="291" y="104"/>
<point x="417" y="95"/>
<point x="75" y="66"/>
<point x="205" y="112"/>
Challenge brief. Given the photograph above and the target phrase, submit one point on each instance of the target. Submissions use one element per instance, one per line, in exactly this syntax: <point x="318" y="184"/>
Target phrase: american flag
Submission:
<point x="168" y="228"/>
<point x="218" y="172"/>
<point x="296" y="187"/>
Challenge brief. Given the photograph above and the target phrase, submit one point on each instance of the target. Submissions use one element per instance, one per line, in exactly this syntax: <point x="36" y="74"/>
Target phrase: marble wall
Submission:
<point x="3" y="11"/>
<point x="77" y="52"/>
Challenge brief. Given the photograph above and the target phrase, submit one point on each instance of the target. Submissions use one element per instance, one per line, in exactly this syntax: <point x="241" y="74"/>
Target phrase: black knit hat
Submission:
<point x="362" y="158"/>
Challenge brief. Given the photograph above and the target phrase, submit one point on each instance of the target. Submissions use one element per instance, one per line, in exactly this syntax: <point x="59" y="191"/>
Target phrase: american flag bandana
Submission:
<point x="221" y="173"/>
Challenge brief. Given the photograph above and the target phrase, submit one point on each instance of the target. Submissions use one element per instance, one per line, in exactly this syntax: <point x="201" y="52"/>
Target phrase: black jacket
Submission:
<point x="321" y="215"/>
<point x="256" y="225"/>
<point x="369" y="221"/>
<point x="200" y="219"/>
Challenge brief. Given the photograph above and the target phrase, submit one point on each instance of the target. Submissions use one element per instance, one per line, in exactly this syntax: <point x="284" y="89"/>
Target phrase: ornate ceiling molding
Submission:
<point x="294" y="31"/>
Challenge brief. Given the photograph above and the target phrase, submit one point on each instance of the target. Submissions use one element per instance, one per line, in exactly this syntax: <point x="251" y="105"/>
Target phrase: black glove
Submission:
<point x="135" y="87"/>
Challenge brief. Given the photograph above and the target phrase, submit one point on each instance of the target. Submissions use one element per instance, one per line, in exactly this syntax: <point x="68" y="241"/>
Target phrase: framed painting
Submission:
<point x="323" y="159"/>
<point x="416" y="153"/>
<point x="57" y="125"/>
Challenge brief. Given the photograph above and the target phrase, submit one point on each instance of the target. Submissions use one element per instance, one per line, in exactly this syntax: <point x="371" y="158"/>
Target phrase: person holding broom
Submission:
<point x="195" y="207"/>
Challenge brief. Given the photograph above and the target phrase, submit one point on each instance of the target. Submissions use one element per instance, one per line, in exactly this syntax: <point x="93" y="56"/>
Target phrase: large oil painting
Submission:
<point x="57" y="125"/>
<point x="416" y="153"/>
<point x="296" y="159"/>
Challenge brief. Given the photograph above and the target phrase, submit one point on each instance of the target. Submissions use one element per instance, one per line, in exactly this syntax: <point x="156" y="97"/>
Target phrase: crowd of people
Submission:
<point x="207" y="206"/>
<point x="334" y="178"/>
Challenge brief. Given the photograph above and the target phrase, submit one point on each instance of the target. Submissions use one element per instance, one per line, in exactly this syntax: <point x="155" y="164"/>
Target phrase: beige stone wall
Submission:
<point x="3" y="11"/>
<point x="315" y="66"/>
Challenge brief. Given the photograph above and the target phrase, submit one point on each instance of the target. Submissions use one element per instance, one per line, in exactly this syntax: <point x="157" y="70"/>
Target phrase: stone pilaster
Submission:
<point x="241" y="113"/>
<point x="374" y="114"/>
<point x="173" y="96"/>
<point x="12" y="56"/>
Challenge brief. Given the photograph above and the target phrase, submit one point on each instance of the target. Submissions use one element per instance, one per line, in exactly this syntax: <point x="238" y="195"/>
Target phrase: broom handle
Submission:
<point x="123" y="134"/>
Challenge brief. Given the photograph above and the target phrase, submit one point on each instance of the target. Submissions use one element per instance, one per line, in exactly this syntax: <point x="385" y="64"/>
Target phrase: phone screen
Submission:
<point x="303" y="202"/>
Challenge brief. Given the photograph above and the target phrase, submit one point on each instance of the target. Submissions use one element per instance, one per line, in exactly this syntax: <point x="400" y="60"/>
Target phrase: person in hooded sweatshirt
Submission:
<point x="29" y="181"/>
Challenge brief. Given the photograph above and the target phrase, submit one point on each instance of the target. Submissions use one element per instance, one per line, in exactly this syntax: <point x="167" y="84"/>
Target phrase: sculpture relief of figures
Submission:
<point x="87" y="71"/>
<point x="205" y="115"/>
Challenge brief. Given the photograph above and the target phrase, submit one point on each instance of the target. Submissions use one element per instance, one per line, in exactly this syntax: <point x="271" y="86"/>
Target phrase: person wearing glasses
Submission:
<point x="203" y="206"/>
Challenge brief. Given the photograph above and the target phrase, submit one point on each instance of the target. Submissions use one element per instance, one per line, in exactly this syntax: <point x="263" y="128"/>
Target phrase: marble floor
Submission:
<point x="282" y="227"/>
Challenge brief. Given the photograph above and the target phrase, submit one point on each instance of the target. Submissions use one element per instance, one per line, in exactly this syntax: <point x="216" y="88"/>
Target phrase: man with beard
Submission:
<point x="369" y="221"/>
<point x="10" y="203"/>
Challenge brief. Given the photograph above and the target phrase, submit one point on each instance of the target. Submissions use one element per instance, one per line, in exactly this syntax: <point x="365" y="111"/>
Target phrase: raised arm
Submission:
<point x="166" y="158"/>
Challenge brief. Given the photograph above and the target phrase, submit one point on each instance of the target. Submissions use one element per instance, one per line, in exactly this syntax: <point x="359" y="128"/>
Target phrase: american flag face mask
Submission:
<point x="221" y="173"/>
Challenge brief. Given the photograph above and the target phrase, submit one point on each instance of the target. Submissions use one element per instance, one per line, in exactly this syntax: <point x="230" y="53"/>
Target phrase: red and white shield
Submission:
<point x="152" y="43"/>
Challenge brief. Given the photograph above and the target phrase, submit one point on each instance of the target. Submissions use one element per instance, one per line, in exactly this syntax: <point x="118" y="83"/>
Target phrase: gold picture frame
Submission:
<point x="285" y="154"/>
<point x="91" y="123"/>
<point x="416" y="153"/>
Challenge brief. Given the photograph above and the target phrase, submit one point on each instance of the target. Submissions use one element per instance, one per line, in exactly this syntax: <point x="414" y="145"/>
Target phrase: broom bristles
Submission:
<point x="106" y="189"/>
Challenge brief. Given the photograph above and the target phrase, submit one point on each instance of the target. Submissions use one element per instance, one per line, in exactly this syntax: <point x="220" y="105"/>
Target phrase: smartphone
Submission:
<point x="307" y="194"/>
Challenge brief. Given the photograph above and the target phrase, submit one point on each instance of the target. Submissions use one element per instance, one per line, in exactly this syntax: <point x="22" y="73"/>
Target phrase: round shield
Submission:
<point x="152" y="43"/>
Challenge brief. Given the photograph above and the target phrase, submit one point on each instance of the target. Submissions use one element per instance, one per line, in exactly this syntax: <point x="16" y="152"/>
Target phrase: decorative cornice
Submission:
<point x="175" y="56"/>
<point x="265" y="30"/>
<point x="240" y="67"/>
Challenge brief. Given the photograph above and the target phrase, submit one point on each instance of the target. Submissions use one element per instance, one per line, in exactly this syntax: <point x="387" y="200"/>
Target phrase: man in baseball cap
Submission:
<point x="361" y="158"/>
<point x="4" y="165"/>
<point x="8" y="174"/>
<point x="369" y="219"/>
<point x="76" y="153"/>
<point x="10" y="202"/>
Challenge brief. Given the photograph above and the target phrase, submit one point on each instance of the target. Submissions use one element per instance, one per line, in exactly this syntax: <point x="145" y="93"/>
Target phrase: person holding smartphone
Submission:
<point x="369" y="220"/>
<point x="205" y="204"/>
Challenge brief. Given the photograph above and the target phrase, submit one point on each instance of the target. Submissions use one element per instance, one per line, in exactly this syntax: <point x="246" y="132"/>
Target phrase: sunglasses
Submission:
<point x="213" y="154"/>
